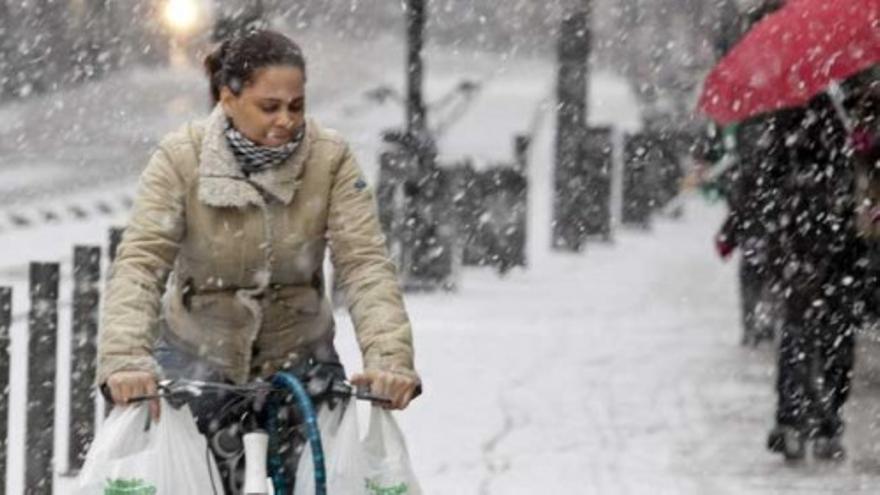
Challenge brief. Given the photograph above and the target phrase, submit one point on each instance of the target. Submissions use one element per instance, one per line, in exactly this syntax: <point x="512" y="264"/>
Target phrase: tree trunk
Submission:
<point x="569" y="229"/>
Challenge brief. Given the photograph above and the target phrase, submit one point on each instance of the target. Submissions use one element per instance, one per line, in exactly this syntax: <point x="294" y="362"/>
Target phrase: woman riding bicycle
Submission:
<point x="219" y="273"/>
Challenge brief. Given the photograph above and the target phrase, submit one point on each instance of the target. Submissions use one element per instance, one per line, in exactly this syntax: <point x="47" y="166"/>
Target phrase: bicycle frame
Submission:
<point x="292" y="384"/>
<point x="283" y="382"/>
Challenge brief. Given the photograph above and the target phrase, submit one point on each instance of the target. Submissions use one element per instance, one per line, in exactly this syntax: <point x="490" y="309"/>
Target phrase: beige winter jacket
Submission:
<point x="233" y="266"/>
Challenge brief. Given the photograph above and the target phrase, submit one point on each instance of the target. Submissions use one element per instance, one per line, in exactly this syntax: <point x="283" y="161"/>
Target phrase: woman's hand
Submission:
<point x="400" y="389"/>
<point x="126" y="385"/>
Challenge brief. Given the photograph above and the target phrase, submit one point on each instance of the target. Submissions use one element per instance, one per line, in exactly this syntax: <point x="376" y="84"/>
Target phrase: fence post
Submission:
<point x="42" y="348"/>
<point x="86" y="293"/>
<point x="5" y="340"/>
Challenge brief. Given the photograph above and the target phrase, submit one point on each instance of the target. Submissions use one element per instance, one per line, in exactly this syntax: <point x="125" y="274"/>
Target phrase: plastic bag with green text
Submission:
<point x="132" y="455"/>
<point x="389" y="471"/>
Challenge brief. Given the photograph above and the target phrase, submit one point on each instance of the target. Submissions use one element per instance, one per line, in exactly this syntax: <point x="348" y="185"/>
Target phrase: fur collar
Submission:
<point x="223" y="184"/>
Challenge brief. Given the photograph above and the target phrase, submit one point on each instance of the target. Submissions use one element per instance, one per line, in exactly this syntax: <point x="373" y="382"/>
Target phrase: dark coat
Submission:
<point x="753" y="188"/>
<point x="823" y="257"/>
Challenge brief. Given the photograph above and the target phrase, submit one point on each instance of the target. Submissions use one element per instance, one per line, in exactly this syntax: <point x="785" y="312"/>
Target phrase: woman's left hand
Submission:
<point x="399" y="388"/>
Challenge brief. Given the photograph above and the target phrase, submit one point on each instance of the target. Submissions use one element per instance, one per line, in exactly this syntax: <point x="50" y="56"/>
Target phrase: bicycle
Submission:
<point x="260" y="402"/>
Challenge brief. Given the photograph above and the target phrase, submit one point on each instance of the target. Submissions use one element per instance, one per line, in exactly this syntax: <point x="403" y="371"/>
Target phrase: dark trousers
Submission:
<point x="752" y="279"/>
<point x="816" y="357"/>
<point x="824" y="305"/>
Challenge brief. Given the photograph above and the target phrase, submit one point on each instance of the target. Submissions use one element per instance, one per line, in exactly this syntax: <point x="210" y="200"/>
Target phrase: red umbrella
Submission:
<point x="792" y="55"/>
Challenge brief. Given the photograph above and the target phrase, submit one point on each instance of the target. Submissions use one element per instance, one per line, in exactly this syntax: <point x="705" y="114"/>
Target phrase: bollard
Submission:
<point x="42" y="350"/>
<point x="5" y="340"/>
<point x="86" y="294"/>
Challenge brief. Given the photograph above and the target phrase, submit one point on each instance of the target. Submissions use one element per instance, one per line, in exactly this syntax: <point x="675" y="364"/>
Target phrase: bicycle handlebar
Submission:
<point x="180" y="388"/>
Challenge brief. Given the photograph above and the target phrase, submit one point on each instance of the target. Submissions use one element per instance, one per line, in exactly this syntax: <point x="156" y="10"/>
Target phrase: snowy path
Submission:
<point x="614" y="372"/>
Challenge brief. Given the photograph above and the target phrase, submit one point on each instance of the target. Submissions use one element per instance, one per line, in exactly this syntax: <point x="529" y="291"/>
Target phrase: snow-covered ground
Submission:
<point x="614" y="371"/>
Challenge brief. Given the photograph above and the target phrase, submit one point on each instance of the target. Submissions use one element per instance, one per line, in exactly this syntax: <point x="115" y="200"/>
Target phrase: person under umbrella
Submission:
<point x="791" y="63"/>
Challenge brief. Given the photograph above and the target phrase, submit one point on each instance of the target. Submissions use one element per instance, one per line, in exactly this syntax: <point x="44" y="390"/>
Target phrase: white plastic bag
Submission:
<point x="141" y="457"/>
<point x="343" y="454"/>
<point x="388" y="467"/>
<point x="377" y="465"/>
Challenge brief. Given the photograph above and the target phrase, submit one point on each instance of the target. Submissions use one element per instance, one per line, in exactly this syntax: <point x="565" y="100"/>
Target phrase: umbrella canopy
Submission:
<point x="792" y="55"/>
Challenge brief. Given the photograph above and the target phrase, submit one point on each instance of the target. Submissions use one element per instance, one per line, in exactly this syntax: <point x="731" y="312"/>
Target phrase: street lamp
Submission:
<point x="181" y="16"/>
<point x="185" y="21"/>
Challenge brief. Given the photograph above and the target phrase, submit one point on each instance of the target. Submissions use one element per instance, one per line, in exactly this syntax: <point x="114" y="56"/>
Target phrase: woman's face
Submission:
<point x="271" y="108"/>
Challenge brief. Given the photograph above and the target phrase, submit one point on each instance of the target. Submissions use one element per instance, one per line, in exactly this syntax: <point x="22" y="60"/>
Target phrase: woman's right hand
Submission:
<point x="126" y="385"/>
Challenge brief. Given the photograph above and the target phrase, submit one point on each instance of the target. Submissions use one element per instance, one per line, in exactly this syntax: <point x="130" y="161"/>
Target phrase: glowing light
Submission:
<point x="181" y="15"/>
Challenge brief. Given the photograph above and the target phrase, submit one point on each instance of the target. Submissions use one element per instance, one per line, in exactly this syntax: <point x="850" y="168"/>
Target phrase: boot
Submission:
<point x="788" y="441"/>
<point x="829" y="448"/>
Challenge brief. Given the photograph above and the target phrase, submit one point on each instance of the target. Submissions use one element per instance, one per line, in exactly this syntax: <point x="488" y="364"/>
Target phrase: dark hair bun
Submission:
<point x="233" y="63"/>
<point x="214" y="60"/>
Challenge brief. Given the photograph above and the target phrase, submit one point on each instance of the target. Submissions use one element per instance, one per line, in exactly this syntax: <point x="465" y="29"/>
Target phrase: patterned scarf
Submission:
<point x="253" y="157"/>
